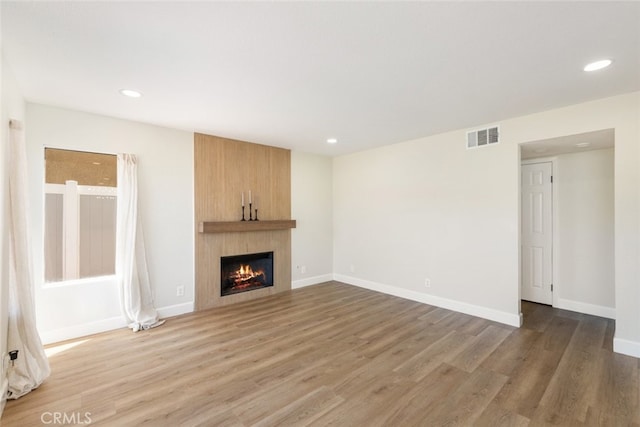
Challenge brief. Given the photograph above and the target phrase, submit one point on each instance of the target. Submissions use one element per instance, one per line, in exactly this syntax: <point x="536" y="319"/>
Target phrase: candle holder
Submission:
<point x="250" y="217"/>
<point x="243" y="214"/>
<point x="256" y="215"/>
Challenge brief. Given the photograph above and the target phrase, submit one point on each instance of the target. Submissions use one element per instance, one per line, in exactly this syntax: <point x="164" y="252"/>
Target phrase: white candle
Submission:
<point x="243" y="199"/>
<point x="249" y="196"/>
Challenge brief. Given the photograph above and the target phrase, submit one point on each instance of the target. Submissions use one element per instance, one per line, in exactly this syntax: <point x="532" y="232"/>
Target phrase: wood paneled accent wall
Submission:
<point x="224" y="169"/>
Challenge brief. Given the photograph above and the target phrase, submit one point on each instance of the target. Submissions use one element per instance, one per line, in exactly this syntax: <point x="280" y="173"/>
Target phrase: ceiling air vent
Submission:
<point x="480" y="137"/>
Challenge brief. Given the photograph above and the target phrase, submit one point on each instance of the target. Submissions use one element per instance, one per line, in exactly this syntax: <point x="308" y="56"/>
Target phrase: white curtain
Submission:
<point x="31" y="367"/>
<point x="131" y="262"/>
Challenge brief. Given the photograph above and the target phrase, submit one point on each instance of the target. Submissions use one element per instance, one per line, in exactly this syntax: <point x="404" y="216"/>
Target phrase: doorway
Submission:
<point x="567" y="223"/>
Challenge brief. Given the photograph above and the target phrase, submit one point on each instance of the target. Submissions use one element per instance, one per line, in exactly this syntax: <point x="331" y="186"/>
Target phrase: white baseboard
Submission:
<point x="586" y="308"/>
<point x="176" y="310"/>
<point x="630" y="348"/>
<point x="82" y="330"/>
<point x="296" y="284"/>
<point x="462" y="307"/>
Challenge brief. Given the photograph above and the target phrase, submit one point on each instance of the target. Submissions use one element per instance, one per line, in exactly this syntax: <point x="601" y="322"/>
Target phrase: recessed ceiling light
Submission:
<point x="583" y="144"/>
<point x="131" y="93"/>
<point x="598" y="65"/>
<point x="332" y="141"/>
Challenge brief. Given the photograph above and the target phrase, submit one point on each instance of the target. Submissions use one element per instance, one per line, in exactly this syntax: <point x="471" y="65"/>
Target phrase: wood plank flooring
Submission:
<point x="338" y="355"/>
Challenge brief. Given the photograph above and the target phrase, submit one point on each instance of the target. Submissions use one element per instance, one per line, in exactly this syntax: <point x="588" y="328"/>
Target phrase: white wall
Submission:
<point x="311" y="206"/>
<point x="429" y="208"/>
<point x="622" y="113"/>
<point x="165" y="178"/>
<point x="585" y="235"/>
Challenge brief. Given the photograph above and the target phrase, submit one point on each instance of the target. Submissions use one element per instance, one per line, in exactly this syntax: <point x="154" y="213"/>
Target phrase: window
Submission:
<point x="80" y="214"/>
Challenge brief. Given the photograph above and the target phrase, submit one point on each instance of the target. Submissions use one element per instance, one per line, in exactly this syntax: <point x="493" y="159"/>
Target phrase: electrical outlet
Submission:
<point x="303" y="269"/>
<point x="180" y="291"/>
<point x="352" y="268"/>
<point x="427" y="282"/>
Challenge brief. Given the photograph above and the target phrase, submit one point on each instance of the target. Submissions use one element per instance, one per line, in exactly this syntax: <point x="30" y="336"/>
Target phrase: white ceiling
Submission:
<point x="292" y="74"/>
<point x="596" y="140"/>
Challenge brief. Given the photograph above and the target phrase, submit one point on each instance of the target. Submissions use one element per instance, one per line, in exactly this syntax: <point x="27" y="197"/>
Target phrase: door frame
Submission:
<point x="555" y="242"/>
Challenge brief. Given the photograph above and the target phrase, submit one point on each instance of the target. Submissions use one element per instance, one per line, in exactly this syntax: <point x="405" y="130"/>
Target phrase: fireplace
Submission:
<point x="242" y="273"/>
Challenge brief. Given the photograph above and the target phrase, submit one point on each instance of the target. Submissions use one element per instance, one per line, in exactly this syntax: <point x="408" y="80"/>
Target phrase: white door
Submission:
<point x="537" y="233"/>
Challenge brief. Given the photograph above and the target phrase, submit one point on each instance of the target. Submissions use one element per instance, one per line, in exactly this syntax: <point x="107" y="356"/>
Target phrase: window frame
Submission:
<point x="70" y="230"/>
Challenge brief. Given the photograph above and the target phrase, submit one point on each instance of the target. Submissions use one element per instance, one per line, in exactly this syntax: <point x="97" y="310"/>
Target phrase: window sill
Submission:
<point x="80" y="282"/>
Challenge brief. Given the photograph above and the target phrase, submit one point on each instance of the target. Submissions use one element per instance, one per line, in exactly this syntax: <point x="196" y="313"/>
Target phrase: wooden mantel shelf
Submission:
<point x="239" y="226"/>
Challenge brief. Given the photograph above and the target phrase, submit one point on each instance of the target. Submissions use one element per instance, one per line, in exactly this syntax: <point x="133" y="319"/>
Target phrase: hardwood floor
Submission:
<point x="334" y="354"/>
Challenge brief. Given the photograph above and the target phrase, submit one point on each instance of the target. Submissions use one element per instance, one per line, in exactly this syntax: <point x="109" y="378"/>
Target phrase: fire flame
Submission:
<point x="246" y="274"/>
